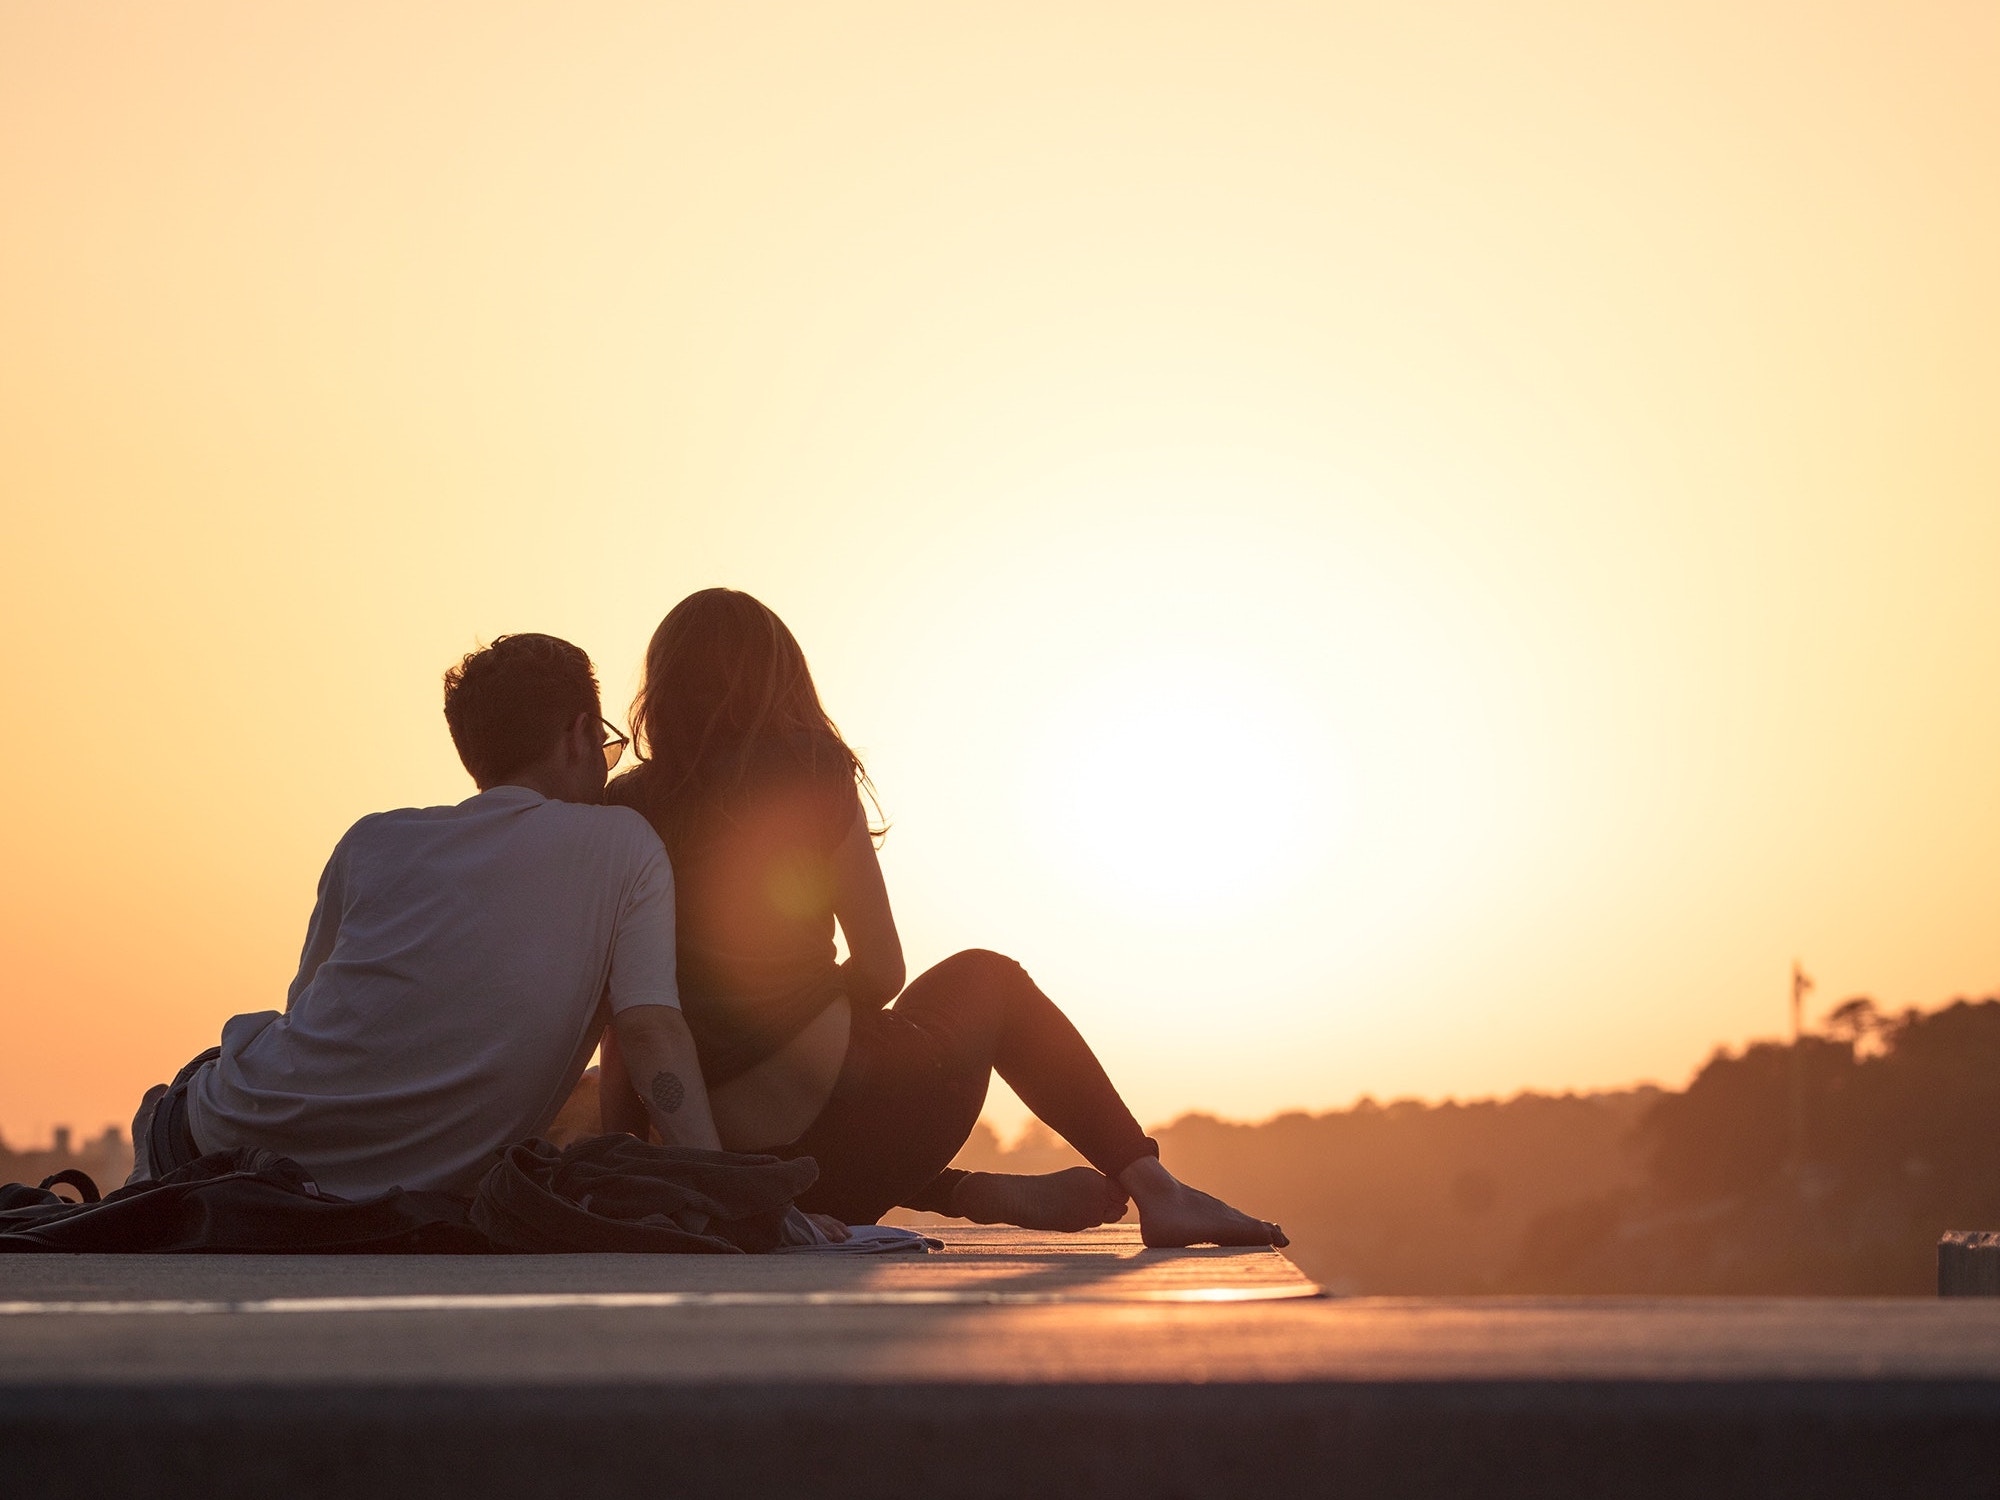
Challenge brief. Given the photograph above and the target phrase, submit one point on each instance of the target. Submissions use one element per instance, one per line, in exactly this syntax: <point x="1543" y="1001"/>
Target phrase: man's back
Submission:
<point x="449" y="991"/>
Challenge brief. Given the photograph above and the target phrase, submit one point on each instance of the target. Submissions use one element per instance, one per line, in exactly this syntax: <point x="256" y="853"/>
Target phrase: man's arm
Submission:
<point x="648" y="1050"/>
<point x="658" y="1051"/>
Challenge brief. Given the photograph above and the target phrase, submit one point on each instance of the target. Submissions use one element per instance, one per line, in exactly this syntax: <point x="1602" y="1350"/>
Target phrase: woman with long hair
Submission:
<point x="758" y="801"/>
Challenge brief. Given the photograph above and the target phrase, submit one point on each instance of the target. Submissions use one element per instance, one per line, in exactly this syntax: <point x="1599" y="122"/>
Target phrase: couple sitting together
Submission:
<point x="463" y="963"/>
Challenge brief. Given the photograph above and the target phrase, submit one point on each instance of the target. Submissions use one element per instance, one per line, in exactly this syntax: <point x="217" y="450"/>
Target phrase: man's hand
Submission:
<point x="832" y="1227"/>
<point x="659" y="1055"/>
<point x="804" y="1229"/>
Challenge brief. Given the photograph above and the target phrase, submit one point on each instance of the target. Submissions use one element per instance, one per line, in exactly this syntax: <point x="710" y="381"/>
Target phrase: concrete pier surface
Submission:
<point x="1012" y="1364"/>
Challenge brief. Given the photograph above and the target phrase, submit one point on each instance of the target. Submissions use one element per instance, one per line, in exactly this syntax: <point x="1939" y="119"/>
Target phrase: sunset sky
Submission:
<point x="1379" y="548"/>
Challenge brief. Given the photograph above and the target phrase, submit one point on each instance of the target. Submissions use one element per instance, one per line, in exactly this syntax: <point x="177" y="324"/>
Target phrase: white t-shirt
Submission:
<point x="450" y="991"/>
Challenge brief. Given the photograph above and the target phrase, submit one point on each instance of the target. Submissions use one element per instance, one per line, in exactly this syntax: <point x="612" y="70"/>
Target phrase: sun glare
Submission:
<point x="1183" y="784"/>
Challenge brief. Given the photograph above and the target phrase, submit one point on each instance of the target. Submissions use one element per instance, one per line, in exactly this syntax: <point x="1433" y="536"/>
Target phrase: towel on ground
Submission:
<point x="862" y="1239"/>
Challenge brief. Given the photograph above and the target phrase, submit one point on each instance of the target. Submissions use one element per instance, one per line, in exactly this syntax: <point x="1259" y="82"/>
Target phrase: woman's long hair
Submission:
<point x="723" y="677"/>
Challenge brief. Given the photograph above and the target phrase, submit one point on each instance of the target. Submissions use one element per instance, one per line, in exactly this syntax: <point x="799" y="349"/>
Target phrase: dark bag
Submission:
<point x="614" y="1192"/>
<point x="609" y="1193"/>
<point x="240" y="1201"/>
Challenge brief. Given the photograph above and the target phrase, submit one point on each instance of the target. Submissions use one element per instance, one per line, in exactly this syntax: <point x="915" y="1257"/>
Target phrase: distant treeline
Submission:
<point x="1830" y="1166"/>
<point x="106" y="1157"/>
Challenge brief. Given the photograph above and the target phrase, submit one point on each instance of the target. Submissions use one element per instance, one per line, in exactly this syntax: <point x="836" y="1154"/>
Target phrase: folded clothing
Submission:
<point x="615" y="1192"/>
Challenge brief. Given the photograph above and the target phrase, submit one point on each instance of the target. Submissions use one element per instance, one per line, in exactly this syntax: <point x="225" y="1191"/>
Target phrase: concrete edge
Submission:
<point x="1088" y="1441"/>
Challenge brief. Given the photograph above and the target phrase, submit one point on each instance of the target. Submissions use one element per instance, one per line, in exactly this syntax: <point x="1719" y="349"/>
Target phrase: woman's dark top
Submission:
<point x="753" y="893"/>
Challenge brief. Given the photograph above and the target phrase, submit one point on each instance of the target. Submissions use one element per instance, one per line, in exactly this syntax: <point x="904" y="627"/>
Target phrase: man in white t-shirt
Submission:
<point x="461" y="963"/>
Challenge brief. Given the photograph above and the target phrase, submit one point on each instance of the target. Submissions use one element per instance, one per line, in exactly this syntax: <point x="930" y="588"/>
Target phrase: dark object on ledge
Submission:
<point x="1969" y="1263"/>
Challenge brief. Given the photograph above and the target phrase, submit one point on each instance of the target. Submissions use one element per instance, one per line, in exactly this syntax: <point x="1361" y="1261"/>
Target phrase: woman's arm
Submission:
<point x="874" y="968"/>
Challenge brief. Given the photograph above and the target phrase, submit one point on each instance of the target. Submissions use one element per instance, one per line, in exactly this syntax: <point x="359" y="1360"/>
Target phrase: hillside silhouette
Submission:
<point x="1901" y="1141"/>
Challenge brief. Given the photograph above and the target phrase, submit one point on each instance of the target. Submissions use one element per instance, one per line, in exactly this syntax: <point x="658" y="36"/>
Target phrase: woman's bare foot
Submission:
<point x="1078" y="1198"/>
<point x="1172" y="1214"/>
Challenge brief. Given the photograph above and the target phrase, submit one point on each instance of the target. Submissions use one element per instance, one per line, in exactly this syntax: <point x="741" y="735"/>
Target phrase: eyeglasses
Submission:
<point x="614" y="744"/>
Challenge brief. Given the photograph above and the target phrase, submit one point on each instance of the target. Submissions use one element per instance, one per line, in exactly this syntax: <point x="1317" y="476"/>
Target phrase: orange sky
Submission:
<point x="1378" y="548"/>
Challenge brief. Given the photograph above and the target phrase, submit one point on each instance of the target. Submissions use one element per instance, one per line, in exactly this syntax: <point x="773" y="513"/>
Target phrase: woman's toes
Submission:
<point x="1192" y="1217"/>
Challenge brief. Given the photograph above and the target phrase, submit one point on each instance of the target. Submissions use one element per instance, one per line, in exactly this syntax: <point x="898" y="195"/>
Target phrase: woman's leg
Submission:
<point x="919" y="1083"/>
<point x="986" y="1013"/>
<point x="981" y="1004"/>
<point x="914" y="1082"/>
<point x="899" y="1112"/>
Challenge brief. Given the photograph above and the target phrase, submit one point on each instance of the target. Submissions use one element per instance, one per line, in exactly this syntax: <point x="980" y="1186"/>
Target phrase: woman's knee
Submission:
<point x="981" y="965"/>
<point x="964" y="1001"/>
<point x="975" y="980"/>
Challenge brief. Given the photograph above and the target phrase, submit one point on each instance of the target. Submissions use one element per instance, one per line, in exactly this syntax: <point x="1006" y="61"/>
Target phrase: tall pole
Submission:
<point x="1801" y="986"/>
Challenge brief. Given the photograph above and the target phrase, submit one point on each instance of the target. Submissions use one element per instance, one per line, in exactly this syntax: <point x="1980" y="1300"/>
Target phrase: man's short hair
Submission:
<point x="508" y="703"/>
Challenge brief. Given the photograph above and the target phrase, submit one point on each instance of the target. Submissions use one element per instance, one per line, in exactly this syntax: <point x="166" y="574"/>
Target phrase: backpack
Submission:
<point x="243" y="1200"/>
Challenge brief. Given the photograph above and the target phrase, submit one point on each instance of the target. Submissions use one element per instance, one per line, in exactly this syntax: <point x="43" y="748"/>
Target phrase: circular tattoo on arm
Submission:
<point x="667" y="1093"/>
